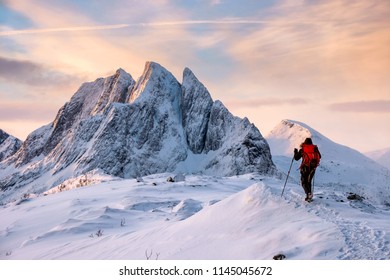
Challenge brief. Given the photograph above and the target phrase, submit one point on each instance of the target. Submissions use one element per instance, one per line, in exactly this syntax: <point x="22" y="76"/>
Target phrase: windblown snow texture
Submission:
<point x="8" y="145"/>
<point x="129" y="129"/>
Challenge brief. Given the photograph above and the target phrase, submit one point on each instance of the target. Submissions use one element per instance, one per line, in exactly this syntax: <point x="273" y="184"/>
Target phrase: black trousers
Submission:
<point x="307" y="175"/>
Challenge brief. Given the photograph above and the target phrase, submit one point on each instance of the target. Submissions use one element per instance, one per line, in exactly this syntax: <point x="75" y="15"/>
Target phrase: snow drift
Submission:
<point x="204" y="217"/>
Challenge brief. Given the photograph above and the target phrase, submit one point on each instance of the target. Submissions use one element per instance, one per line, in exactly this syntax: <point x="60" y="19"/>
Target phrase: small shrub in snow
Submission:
<point x="148" y="256"/>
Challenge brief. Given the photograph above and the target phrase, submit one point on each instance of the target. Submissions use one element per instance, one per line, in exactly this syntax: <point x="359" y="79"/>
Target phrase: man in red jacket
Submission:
<point x="310" y="160"/>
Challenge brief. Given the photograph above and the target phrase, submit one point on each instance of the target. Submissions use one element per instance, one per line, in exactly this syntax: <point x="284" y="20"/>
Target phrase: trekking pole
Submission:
<point x="288" y="174"/>
<point x="312" y="187"/>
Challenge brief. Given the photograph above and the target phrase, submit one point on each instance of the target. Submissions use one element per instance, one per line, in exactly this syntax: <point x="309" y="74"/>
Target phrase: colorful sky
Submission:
<point x="322" y="62"/>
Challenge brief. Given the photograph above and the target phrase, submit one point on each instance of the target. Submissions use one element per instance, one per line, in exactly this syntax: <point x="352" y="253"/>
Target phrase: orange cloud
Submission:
<point x="262" y="102"/>
<point x="27" y="111"/>
<point x="373" y="106"/>
<point x="330" y="46"/>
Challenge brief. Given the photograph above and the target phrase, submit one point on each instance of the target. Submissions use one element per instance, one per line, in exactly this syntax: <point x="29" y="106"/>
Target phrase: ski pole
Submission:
<point x="288" y="174"/>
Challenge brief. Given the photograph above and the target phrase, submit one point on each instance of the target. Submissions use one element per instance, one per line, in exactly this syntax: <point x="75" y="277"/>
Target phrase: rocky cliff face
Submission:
<point x="8" y="145"/>
<point x="128" y="129"/>
<point x="196" y="108"/>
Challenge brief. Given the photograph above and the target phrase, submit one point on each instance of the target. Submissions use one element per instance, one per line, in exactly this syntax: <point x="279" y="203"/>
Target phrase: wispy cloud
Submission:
<point x="127" y="25"/>
<point x="373" y="106"/>
<point x="262" y="102"/>
<point x="215" y="2"/>
<point x="327" y="46"/>
<point x="227" y="21"/>
<point x="62" y="29"/>
<point x="30" y="73"/>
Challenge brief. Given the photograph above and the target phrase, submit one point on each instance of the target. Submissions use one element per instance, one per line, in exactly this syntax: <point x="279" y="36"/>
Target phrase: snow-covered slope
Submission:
<point x="381" y="156"/>
<point x="8" y="145"/>
<point x="124" y="128"/>
<point x="201" y="217"/>
<point x="68" y="192"/>
<point x="340" y="166"/>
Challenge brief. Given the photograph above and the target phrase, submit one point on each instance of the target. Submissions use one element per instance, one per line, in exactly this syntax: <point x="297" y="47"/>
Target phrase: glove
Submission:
<point x="295" y="151"/>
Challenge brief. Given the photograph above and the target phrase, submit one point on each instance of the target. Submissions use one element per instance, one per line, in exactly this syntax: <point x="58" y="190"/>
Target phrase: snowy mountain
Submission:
<point x="381" y="156"/>
<point x="8" y="145"/>
<point x="341" y="167"/>
<point x="96" y="183"/>
<point x="127" y="128"/>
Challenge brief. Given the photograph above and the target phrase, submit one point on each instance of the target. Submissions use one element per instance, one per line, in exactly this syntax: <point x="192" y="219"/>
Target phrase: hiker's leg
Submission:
<point x="310" y="179"/>
<point x="305" y="180"/>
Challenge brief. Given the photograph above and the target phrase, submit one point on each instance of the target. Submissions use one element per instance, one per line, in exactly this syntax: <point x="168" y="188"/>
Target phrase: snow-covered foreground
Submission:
<point x="203" y="217"/>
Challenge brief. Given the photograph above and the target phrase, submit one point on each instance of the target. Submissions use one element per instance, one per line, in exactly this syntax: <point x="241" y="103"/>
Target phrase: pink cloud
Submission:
<point x="262" y="102"/>
<point x="27" y="111"/>
<point x="373" y="106"/>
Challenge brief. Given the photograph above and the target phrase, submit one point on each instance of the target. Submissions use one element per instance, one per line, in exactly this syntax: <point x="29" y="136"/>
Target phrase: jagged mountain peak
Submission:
<point x="121" y="72"/>
<point x="3" y="135"/>
<point x="93" y="98"/>
<point x="188" y="75"/>
<point x="196" y="109"/>
<point x="117" y="88"/>
<point x="8" y="145"/>
<point x="129" y="128"/>
<point x="156" y="82"/>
